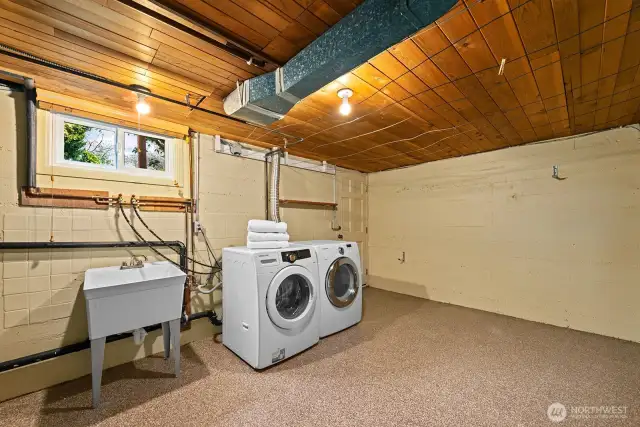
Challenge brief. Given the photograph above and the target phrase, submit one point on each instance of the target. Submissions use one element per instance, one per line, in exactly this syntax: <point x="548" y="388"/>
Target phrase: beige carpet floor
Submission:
<point x="410" y="362"/>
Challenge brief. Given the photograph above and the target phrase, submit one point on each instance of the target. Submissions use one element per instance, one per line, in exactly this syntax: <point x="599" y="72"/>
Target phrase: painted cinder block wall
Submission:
<point x="41" y="300"/>
<point x="496" y="232"/>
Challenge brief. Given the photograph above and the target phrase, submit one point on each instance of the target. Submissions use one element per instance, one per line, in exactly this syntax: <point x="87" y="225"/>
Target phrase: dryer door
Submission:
<point x="342" y="282"/>
<point x="291" y="297"/>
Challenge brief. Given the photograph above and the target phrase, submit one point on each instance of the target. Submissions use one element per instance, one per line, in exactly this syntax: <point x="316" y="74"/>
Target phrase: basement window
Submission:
<point x="91" y="149"/>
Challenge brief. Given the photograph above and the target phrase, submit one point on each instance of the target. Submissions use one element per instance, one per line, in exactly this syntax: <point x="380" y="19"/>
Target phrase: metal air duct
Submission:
<point x="274" y="186"/>
<point x="371" y="28"/>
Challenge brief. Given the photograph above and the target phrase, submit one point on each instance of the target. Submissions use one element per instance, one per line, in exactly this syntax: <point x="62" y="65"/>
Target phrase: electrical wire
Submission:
<point x="157" y="252"/>
<point x="527" y="53"/>
<point x="396" y="141"/>
<point x="363" y="134"/>
<point x="306" y="138"/>
<point x="215" y="273"/>
<point x="26" y="56"/>
<point x="423" y="148"/>
<point x="135" y="210"/>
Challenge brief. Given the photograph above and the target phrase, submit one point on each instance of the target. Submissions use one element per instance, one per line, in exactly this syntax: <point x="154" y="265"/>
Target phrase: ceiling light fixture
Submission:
<point x="345" y="107"/>
<point x="142" y="106"/>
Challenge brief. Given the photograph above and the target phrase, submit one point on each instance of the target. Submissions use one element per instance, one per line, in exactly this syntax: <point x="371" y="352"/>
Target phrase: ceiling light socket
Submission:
<point x="345" y="107"/>
<point x="142" y="107"/>
<point x="345" y="93"/>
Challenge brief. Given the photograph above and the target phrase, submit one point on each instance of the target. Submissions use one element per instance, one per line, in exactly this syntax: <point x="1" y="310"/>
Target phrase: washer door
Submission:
<point x="291" y="297"/>
<point x="342" y="282"/>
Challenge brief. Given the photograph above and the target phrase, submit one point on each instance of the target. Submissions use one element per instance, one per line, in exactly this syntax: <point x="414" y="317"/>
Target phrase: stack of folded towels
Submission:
<point x="263" y="234"/>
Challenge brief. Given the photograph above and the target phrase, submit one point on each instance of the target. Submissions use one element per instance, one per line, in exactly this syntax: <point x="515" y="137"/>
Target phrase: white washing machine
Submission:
<point x="269" y="299"/>
<point x="340" y="277"/>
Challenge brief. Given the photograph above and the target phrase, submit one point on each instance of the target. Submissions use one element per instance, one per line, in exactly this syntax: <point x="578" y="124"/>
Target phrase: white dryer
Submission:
<point x="269" y="300"/>
<point x="340" y="276"/>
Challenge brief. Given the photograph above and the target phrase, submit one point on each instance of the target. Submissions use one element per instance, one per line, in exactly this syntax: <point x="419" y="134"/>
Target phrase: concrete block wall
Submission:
<point x="496" y="232"/>
<point x="41" y="301"/>
<point x="43" y="307"/>
<point x="232" y="191"/>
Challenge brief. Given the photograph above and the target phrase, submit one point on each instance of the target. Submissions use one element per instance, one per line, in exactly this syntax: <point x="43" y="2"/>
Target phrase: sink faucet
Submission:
<point x="135" y="262"/>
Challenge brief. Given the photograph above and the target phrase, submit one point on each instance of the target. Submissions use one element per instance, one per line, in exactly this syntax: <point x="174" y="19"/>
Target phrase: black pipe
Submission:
<point x="79" y="245"/>
<point x="209" y="314"/>
<point x="86" y="344"/>
<point x="25" y="56"/>
<point x="32" y="131"/>
<point x="67" y="349"/>
<point x="235" y="48"/>
<point x="72" y="348"/>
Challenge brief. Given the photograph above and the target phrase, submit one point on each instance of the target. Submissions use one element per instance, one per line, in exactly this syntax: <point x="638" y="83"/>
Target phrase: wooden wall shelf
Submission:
<point x="329" y="205"/>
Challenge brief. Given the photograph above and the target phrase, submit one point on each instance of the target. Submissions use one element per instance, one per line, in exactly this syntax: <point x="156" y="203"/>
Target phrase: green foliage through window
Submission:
<point x="144" y="152"/>
<point x="87" y="144"/>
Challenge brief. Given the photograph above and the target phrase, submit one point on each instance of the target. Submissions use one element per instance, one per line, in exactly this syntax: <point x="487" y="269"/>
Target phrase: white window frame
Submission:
<point x="171" y="176"/>
<point x="58" y="139"/>
<point x="169" y="155"/>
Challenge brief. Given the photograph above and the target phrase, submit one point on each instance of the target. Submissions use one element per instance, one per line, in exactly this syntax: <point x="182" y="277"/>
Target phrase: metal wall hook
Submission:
<point x="402" y="260"/>
<point x="556" y="174"/>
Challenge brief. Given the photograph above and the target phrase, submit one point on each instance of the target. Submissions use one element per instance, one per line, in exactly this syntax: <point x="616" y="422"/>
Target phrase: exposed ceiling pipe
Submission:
<point x="368" y="30"/>
<point x="231" y="46"/>
<point x="25" y="56"/>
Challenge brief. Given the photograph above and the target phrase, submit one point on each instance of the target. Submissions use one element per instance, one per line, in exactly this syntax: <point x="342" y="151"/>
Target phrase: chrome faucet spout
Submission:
<point x="135" y="262"/>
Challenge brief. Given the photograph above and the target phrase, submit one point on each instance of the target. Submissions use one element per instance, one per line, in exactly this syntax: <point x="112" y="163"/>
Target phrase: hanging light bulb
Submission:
<point x="142" y="106"/>
<point x="345" y="107"/>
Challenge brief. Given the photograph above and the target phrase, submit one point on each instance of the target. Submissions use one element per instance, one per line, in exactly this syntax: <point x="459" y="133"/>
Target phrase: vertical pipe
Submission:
<point x="189" y="214"/>
<point x="266" y="186"/>
<point x="196" y="173"/>
<point x="274" y="190"/>
<point x="30" y="94"/>
<point x="334" y="218"/>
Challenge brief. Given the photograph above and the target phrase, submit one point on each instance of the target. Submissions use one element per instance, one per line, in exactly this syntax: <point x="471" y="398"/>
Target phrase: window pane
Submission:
<point x="88" y="144"/>
<point x="144" y="152"/>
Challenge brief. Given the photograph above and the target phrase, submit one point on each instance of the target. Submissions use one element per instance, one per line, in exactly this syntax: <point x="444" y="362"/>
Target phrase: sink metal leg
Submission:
<point x="166" y="336"/>
<point x="97" y="359"/>
<point x="174" y="326"/>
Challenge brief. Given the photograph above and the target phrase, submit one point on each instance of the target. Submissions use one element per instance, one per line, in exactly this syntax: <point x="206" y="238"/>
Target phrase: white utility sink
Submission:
<point x="121" y="299"/>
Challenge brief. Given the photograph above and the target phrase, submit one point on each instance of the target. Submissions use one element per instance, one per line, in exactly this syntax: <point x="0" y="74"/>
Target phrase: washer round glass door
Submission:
<point x="342" y="282"/>
<point x="291" y="297"/>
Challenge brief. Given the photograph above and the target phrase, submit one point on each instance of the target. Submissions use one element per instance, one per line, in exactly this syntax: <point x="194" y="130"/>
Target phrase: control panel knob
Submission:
<point x="292" y="257"/>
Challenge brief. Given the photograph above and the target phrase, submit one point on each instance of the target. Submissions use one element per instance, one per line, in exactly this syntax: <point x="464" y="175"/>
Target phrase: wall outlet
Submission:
<point x="197" y="227"/>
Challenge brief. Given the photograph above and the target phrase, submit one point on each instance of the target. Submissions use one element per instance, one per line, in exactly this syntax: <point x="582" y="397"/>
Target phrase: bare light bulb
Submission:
<point x="345" y="107"/>
<point x="142" y="106"/>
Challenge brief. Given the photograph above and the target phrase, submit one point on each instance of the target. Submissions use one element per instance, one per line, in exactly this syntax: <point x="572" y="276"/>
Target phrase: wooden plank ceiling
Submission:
<point x="572" y="66"/>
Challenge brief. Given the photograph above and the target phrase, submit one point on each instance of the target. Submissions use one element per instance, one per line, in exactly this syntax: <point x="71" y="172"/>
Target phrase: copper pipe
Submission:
<point x="190" y="218"/>
<point x="37" y="192"/>
<point x="107" y="200"/>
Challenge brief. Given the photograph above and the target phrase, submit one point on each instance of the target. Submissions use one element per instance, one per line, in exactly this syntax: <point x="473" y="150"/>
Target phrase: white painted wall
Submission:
<point x="496" y="232"/>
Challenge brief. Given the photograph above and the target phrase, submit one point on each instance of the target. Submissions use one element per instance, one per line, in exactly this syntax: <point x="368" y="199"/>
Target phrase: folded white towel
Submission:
<point x="252" y="236"/>
<point x="262" y="226"/>
<point x="267" y="245"/>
